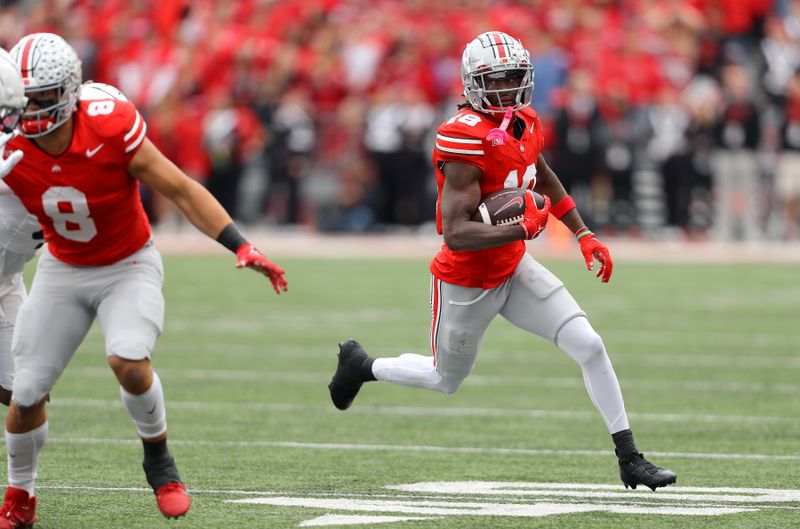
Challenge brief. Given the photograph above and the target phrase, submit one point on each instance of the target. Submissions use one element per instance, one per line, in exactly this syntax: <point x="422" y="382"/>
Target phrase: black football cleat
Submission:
<point x="636" y="470"/>
<point x="347" y="381"/>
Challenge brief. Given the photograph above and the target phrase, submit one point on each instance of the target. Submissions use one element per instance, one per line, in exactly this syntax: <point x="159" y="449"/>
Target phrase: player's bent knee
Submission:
<point x="594" y="347"/>
<point x="580" y="341"/>
<point x="589" y="349"/>
<point x="27" y="394"/>
<point x="135" y="376"/>
<point x="449" y="385"/>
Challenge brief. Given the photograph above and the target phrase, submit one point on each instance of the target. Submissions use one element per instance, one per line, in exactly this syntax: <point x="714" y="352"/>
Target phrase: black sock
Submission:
<point x="364" y="369"/>
<point x="155" y="451"/>
<point x="624" y="443"/>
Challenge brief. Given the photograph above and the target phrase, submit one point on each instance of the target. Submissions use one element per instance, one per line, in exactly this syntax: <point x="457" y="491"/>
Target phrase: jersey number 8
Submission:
<point x="100" y="108"/>
<point x="70" y="213"/>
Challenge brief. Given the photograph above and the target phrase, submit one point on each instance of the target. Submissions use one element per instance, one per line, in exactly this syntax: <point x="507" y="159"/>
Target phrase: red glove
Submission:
<point x="592" y="249"/>
<point x="249" y="256"/>
<point x="535" y="219"/>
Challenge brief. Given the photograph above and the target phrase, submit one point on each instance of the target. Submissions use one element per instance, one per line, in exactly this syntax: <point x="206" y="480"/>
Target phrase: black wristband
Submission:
<point x="230" y="238"/>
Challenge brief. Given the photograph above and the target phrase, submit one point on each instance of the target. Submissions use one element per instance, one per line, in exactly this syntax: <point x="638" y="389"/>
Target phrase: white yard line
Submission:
<point x="417" y="492"/>
<point x="539" y="352"/>
<point x="555" y="493"/>
<point x="323" y="377"/>
<point x="421" y="448"/>
<point x="435" y="411"/>
<point x="435" y="500"/>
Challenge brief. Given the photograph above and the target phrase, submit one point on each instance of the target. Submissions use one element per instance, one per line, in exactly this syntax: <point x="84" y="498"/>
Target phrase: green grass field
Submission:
<point x="707" y="355"/>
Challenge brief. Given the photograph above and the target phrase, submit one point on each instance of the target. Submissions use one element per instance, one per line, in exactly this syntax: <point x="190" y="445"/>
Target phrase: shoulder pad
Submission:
<point x="467" y="123"/>
<point x="114" y="118"/>
<point x="464" y="134"/>
<point x="92" y="90"/>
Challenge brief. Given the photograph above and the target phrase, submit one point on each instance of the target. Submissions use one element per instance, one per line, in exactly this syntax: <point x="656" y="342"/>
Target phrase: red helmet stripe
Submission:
<point x="499" y="46"/>
<point x="26" y="57"/>
<point x="505" y="38"/>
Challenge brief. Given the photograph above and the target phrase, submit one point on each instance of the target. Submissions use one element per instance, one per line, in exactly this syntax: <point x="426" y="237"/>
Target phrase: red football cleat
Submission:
<point x="18" y="511"/>
<point x="173" y="500"/>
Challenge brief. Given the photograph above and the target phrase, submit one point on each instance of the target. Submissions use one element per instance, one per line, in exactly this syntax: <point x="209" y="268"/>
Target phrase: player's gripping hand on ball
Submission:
<point x="7" y="163"/>
<point x="592" y="249"/>
<point x="535" y="218"/>
<point x="248" y="256"/>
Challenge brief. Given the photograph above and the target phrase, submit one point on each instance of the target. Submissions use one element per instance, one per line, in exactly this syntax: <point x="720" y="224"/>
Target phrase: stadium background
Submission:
<point x="666" y="119"/>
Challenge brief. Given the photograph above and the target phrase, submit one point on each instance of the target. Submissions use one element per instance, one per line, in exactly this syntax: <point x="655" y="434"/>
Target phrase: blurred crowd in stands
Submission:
<point x="676" y="118"/>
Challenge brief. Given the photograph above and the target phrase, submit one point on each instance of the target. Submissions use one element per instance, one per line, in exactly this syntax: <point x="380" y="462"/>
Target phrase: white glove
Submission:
<point x="7" y="163"/>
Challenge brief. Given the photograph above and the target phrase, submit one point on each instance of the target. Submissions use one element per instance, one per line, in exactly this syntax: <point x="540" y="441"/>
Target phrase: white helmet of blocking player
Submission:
<point x="497" y="73"/>
<point x="51" y="74"/>
<point x="12" y="93"/>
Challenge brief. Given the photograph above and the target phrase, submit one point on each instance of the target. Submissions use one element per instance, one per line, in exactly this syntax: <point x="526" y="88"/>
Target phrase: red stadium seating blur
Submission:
<point x="300" y="81"/>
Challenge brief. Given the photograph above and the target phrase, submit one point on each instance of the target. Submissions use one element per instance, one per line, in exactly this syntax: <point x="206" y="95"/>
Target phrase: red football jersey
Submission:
<point x="84" y="198"/>
<point x="462" y="138"/>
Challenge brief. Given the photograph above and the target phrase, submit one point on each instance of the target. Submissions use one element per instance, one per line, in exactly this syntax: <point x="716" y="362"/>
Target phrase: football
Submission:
<point x="505" y="207"/>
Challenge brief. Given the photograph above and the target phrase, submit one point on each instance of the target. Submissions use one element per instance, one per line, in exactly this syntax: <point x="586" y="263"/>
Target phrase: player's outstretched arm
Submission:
<point x="7" y="163"/>
<point x="201" y="209"/>
<point x="564" y="209"/>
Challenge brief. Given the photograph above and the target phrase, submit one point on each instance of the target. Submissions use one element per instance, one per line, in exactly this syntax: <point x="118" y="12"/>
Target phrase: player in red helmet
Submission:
<point x="80" y="174"/>
<point x="495" y="142"/>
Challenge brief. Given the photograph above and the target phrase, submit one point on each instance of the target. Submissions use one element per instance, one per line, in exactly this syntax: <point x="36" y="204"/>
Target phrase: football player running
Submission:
<point x="483" y="270"/>
<point x="20" y="234"/>
<point x="80" y="174"/>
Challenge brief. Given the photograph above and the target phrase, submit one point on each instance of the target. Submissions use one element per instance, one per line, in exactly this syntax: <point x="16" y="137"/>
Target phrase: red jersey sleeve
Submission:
<point x="118" y="122"/>
<point x="461" y="139"/>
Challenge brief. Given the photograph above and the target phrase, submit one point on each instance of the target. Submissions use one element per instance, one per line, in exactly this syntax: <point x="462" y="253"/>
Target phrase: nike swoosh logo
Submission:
<point x="516" y="201"/>
<point x="12" y="455"/>
<point x="154" y="409"/>
<point x="92" y="152"/>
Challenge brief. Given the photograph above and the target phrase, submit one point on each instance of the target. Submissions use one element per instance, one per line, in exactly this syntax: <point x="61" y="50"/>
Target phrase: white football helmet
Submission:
<point x="497" y="73"/>
<point x="12" y="93"/>
<point x="47" y="63"/>
<point x="91" y="90"/>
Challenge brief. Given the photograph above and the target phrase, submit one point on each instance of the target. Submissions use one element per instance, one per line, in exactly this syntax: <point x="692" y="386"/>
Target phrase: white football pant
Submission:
<point x="12" y="294"/>
<point x="64" y="300"/>
<point x="533" y="299"/>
